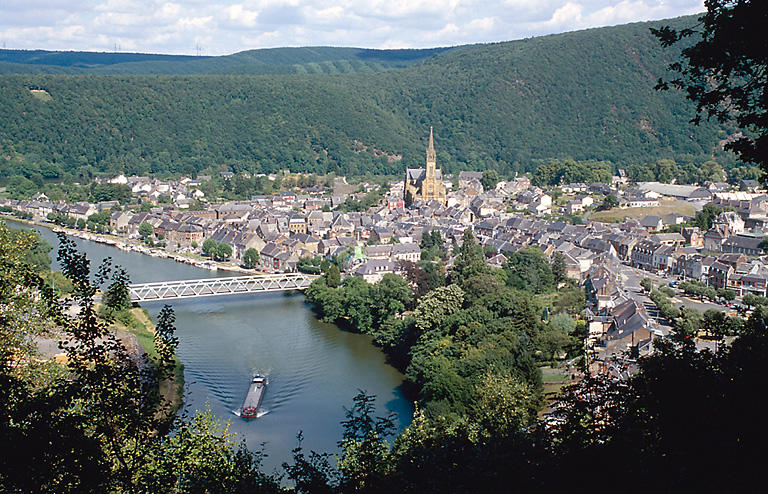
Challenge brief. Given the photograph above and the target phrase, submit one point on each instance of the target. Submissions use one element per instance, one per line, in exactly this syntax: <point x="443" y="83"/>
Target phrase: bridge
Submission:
<point x="209" y="287"/>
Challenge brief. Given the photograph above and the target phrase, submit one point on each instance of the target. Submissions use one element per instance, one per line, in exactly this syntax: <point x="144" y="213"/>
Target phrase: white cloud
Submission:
<point x="228" y="26"/>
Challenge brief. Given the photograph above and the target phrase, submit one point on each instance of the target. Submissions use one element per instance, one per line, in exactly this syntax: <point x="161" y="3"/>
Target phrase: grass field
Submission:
<point x="666" y="207"/>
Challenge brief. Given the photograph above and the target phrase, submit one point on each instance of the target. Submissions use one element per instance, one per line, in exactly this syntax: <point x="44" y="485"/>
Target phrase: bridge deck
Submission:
<point x="208" y="287"/>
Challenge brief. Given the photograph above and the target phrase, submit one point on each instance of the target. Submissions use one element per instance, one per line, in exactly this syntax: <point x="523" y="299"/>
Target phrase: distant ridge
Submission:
<point x="306" y="60"/>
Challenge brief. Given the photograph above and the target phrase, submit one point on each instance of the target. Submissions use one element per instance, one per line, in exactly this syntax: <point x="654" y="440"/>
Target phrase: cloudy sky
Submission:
<point x="219" y="27"/>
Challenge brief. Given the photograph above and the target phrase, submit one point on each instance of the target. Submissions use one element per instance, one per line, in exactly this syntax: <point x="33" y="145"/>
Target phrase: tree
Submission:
<point x="529" y="269"/>
<point x="471" y="259"/>
<point x="333" y="276"/>
<point x="490" y="179"/>
<point x="209" y="247"/>
<point x="37" y="255"/>
<point x="706" y="216"/>
<point x="364" y="462"/>
<point x="764" y="245"/>
<point x="223" y="252"/>
<point x="556" y="335"/>
<point x="146" y="230"/>
<point x="646" y="284"/>
<point x="440" y="302"/>
<point x="558" y="267"/>
<point x="357" y="295"/>
<point x="392" y="296"/>
<point x="610" y="202"/>
<point x="751" y="300"/>
<point x="251" y="258"/>
<point x="117" y="296"/>
<point x="726" y="71"/>
<point x="503" y="405"/>
<point x="431" y="245"/>
<point x="726" y="294"/>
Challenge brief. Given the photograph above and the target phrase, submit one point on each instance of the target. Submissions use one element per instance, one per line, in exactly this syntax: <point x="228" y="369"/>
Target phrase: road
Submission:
<point x="634" y="275"/>
<point x="630" y="278"/>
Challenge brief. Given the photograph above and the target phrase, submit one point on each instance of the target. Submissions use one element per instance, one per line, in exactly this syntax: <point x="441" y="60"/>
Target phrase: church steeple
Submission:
<point x="431" y="155"/>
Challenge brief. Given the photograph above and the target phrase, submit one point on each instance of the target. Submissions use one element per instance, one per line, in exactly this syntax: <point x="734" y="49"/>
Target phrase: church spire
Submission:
<point x="431" y="155"/>
<point x="431" y="140"/>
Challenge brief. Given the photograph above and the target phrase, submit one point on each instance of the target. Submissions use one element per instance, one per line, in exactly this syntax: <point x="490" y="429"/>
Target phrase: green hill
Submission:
<point x="586" y="95"/>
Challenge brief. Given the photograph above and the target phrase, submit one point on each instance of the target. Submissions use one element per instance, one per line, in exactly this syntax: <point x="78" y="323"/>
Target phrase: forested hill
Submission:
<point x="585" y="95"/>
<point x="307" y="60"/>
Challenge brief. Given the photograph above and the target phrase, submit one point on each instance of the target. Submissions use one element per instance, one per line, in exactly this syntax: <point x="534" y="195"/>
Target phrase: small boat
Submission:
<point x="253" y="399"/>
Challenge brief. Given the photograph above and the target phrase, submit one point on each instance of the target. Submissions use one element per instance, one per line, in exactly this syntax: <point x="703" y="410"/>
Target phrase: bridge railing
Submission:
<point x="208" y="287"/>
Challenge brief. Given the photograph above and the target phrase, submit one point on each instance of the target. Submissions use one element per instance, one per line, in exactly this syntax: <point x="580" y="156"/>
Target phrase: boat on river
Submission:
<point x="252" y="402"/>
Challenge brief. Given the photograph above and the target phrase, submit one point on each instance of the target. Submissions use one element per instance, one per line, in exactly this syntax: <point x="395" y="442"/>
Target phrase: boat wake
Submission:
<point x="260" y="414"/>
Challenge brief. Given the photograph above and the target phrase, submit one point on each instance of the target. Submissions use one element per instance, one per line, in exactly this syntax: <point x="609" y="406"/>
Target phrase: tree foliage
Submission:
<point x="725" y="72"/>
<point x="251" y="258"/>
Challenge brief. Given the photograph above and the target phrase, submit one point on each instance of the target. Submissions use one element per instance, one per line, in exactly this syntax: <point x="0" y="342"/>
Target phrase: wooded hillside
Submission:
<point x="509" y="106"/>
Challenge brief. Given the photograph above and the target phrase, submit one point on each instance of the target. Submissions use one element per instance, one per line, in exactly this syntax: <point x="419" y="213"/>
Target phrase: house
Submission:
<point x="715" y="236"/>
<point x="642" y="254"/>
<point x="379" y="251"/>
<point x="406" y="252"/>
<point x="185" y="233"/>
<point x="692" y="236"/>
<point x="694" y="266"/>
<point x="664" y="258"/>
<point x="381" y="234"/>
<point x="743" y="244"/>
<point x="652" y="223"/>
<point x="374" y="269"/>
<point x="631" y="331"/>
<point x="749" y="185"/>
<point x="297" y="224"/>
<point x="118" y="221"/>
<point x="638" y="201"/>
<point x="541" y="204"/>
<point x="574" y="206"/>
<point x="674" y="239"/>
<point x="719" y="273"/>
<point x="465" y="177"/>
<point x="307" y="242"/>
<point x="732" y="220"/>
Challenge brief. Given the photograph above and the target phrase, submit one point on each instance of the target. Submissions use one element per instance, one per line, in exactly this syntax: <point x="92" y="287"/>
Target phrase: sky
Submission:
<point x="221" y="27"/>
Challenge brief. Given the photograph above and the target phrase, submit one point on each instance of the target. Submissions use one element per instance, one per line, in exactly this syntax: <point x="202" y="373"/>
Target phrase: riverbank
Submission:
<point x="138" y="323"/>
<point x="131" y="245"/>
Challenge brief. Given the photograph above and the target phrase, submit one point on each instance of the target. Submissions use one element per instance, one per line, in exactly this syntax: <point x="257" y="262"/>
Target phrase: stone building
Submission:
<point x="425" y="185"/>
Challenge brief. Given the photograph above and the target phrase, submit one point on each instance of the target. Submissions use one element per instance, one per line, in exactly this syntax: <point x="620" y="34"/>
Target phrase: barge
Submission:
<point x="253" y="399"/>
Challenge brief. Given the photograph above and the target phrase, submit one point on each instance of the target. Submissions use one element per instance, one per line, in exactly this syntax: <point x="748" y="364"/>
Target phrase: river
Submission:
<point x="314" y="369"/>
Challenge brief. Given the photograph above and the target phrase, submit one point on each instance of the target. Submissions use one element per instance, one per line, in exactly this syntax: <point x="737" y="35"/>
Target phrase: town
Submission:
<point x="716" y="249"/>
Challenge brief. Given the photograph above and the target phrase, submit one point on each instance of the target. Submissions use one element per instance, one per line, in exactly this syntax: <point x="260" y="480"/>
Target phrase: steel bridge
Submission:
<point x="209" y="287"/>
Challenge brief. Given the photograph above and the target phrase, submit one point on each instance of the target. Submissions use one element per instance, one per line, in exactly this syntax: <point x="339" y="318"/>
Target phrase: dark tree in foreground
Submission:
<point x="97" y="421"/>
<point x="726" y="71"/>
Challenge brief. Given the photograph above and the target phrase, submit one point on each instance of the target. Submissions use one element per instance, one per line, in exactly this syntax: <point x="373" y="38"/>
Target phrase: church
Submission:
<point x="425" y="185"/>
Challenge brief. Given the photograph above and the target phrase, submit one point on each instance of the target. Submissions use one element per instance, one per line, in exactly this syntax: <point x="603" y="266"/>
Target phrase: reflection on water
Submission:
<point x="314" y="369"/>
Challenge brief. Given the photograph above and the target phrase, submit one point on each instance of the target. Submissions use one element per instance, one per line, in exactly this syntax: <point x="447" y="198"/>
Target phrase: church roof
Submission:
<point x="419" y="174"/>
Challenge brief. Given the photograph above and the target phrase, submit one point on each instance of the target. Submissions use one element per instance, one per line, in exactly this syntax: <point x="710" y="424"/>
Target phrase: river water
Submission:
<point x="314" y="369"/>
